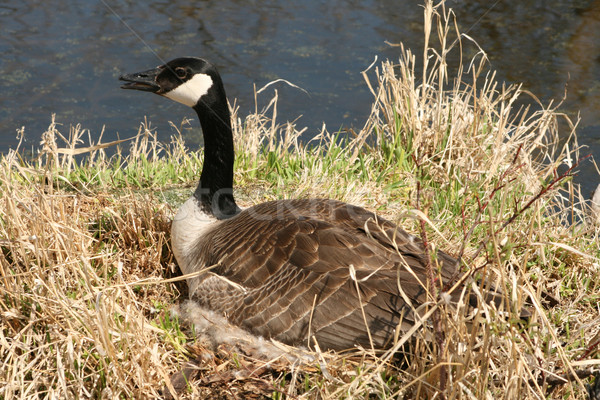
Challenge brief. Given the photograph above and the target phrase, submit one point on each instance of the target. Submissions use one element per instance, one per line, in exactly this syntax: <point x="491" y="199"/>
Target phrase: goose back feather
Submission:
<point x="297" y="268"/>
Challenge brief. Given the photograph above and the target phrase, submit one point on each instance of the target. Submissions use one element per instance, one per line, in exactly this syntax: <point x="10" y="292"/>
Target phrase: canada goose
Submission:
<point x="288" y="269"/>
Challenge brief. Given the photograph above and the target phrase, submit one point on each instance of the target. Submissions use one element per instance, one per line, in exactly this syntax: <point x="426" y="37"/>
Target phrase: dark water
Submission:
<point x="64" y="57"/>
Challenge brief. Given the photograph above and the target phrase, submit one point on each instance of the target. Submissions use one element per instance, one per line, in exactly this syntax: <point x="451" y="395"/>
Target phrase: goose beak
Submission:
<point x="144" y="81"/>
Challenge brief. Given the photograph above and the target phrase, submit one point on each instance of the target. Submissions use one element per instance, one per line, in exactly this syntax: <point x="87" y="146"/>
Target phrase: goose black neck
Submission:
<point x="215" y="190"/>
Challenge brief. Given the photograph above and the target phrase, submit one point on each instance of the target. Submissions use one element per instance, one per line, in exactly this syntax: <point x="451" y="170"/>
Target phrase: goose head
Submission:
<point x="196" y="83"/>
<point x="187" y="80"/>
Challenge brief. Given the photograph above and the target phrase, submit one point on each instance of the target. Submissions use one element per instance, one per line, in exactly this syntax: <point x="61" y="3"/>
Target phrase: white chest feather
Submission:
<point x="188" y="227"/>
<point x="189" y="92"/>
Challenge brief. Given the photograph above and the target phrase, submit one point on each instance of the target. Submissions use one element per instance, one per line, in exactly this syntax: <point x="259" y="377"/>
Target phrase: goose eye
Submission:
<point x="180" y="72"/>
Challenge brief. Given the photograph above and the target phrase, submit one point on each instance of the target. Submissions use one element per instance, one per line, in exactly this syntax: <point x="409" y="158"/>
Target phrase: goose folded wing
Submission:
<point x="294" y="277"/>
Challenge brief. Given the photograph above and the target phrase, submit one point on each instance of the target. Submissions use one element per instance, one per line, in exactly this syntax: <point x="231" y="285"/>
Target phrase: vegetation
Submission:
<point x="88" y="279"/>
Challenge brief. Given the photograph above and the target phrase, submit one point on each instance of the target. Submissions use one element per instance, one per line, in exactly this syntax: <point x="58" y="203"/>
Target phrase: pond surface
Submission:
<point x="64" y="57"/>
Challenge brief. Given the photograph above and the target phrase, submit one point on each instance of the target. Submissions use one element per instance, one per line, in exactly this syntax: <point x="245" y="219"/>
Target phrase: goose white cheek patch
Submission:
<point x="189" y="92"/>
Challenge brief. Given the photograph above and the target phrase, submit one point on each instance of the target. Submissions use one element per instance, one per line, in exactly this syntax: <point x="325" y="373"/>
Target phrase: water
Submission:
<point x="64" y="57"/>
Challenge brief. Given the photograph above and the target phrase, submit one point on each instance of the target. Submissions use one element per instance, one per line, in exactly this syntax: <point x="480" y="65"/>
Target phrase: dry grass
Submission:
<point x="86" y="268"/>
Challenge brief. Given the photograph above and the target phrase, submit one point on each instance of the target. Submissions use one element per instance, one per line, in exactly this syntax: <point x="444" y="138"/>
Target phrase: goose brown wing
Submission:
<point x="316" y="267"/>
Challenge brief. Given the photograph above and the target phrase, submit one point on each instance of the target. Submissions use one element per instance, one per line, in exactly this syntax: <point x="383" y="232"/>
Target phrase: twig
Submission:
<point x="511" y="169"/>
<point x="560" y="379"/>
<point x="535" y="198"/>
<point x="433" y="290"/>
<point x="594" y="343"/>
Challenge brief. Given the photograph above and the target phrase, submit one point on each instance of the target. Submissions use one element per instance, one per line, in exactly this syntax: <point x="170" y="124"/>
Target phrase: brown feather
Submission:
<point x="294" y="258"/>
